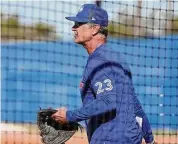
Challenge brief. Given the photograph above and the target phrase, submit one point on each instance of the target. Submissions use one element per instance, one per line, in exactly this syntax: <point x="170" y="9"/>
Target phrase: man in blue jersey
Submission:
<point x="111" y="110"/>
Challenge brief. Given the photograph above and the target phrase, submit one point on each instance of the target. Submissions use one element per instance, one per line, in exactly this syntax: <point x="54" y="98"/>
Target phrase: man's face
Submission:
<point x="82" y="32"/>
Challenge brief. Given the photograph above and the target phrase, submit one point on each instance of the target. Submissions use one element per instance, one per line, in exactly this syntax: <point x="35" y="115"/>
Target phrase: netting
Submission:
<point x="42" y="67"/>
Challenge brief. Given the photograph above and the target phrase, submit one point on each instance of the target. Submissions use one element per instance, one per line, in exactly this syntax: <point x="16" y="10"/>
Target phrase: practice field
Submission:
<point x="42" y="65"/>
<point x="28" y="134"/>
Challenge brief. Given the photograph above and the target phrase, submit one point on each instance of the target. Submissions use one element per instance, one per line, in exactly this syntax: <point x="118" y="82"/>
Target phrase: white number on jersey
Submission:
<point x="106" y="82"/>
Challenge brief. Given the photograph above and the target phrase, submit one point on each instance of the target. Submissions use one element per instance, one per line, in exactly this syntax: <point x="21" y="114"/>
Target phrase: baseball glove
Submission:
<point x="52" y="132"/>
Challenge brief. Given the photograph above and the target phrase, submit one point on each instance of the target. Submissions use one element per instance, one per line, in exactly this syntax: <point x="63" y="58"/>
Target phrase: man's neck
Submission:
<point x="91" y="46"/>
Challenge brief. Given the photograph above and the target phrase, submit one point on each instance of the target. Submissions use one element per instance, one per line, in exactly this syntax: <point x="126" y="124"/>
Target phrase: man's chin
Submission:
<point x="78" y="42"/>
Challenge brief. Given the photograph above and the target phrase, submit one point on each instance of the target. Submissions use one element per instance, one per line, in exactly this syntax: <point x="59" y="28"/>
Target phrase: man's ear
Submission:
<point x="96" y="29"/>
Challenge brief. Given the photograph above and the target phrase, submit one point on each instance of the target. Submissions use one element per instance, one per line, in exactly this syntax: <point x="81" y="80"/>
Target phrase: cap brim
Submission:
<point x="76" y="19"/>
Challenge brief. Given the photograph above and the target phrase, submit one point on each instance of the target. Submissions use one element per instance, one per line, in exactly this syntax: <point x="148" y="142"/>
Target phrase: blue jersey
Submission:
<point x="110" y="106"/>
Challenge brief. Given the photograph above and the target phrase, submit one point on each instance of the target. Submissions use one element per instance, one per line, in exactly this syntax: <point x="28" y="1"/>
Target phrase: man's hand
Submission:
<point x="60" y="115"/>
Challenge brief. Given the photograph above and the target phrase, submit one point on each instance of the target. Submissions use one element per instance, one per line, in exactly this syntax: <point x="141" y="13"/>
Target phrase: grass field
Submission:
<point x="28" y="134"/>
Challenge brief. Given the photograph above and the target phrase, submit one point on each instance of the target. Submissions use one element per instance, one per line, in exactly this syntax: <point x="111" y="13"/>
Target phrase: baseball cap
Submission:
<point x="91" y="13"/>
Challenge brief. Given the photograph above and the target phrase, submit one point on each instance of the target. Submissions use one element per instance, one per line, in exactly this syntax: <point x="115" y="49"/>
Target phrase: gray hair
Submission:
<point x="103" y="31"/>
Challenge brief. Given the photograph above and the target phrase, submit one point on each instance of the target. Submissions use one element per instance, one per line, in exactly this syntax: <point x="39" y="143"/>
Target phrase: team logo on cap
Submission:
<point x="81" y="9"/>
<point x="93" y="18"/>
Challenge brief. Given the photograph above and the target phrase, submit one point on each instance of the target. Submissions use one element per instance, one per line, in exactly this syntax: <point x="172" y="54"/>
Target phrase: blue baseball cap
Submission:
<point x="91" y="13"/>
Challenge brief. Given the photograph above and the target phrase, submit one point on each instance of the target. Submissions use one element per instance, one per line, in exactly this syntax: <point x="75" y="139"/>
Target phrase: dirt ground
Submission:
<point x="26" y="138"/>
<point x="28" y="134"/>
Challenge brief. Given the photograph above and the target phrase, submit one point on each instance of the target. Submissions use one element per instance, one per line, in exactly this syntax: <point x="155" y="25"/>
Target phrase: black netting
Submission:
<point x="41" y="66"/>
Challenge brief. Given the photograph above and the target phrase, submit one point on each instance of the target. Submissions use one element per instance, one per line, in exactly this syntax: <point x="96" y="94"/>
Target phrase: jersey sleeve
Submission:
<point x="145" y="125"/>
<point x="102" y="84"/>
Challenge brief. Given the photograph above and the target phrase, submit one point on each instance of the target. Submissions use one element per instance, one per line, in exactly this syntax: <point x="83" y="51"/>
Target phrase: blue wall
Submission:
<point x="47" y="74"/>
